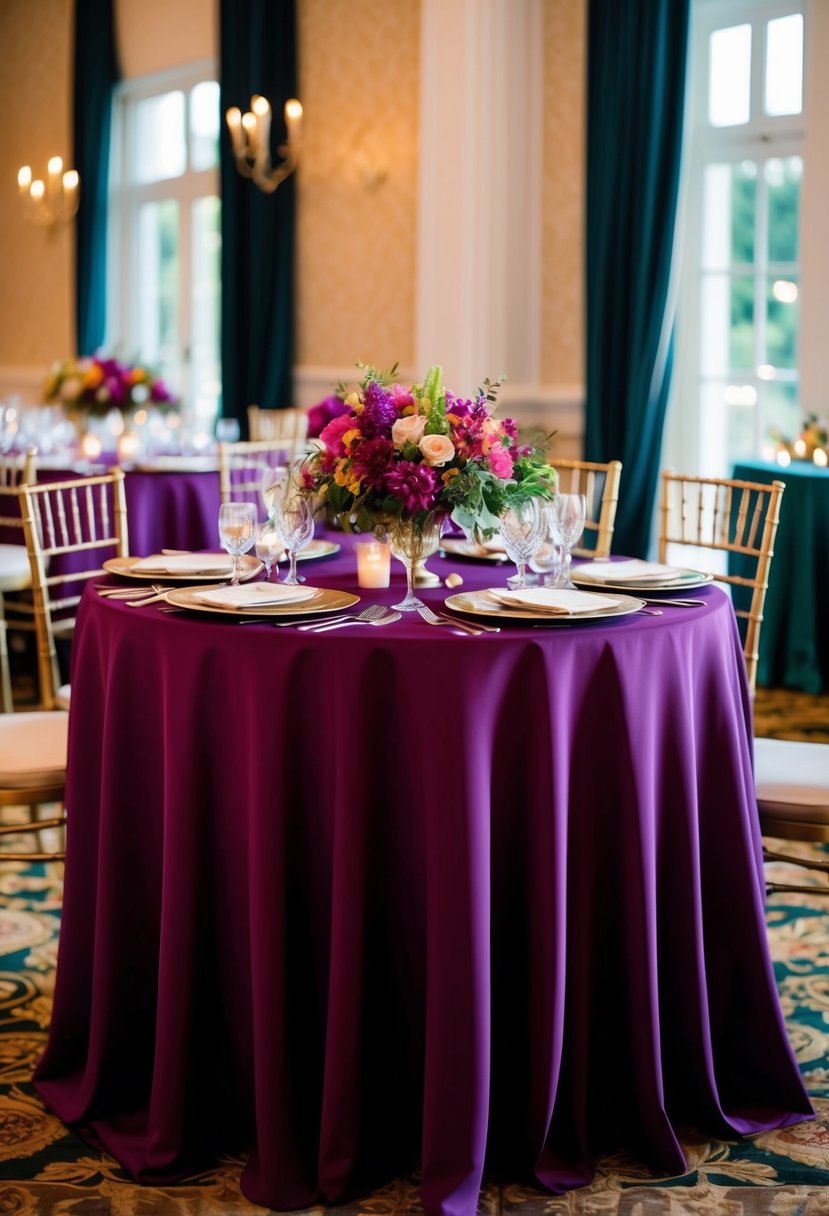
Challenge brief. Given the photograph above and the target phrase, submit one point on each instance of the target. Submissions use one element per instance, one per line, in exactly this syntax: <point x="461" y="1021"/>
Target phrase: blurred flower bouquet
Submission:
<point x="96" y="385"/>
<point x="405" y="455"/>
<point x="811" y="444"/>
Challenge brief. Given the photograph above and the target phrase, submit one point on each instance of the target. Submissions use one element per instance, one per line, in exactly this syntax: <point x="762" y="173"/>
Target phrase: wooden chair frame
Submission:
<point x="85" y="515"/>
<point x="17" y="613"/>
<point x="731" y="516"/>
<point x="600" y="485"/>
<point x="246" y="456"/>
<point x="288" y="427"/>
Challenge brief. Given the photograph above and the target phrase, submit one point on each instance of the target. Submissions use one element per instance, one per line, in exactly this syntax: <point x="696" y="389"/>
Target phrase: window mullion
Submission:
<point x="761" y="246"/>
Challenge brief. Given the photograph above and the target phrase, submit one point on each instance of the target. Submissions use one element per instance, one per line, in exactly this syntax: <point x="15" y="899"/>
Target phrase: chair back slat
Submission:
<point x="287" y="427"/>
<point x="733" y="518"/>
<point x="600" y="485"/>
<point x="242" y="466"/>
<point x="84" y="520"/>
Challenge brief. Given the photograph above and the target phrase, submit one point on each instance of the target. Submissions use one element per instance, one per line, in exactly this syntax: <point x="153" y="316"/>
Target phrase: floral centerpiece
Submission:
<point x="404" y="453"/>
<point x="96" y="385"/>
<point x="811" y="444"/>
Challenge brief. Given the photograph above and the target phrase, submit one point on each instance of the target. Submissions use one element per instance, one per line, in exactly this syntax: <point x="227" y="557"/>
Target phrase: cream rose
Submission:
<point x="408" y="430"/>
<point x="437" y="449"/>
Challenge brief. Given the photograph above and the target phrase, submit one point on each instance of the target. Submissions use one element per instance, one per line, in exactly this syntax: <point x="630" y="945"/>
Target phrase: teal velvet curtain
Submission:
<point x="258" y="55"/>
<point x="96" y="73"/>
<point x="637" y="55"/>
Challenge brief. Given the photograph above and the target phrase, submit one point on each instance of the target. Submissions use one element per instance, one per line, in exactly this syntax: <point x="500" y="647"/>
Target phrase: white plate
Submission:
<point x="175" y="464"/>
<point x="327" y="600"/>
<point x="478" y="603"/>
<point x="124" y="568"/>
<point x="316" y="548"/>
<point x="472" y="551"/>
<point x="694" y="578"/>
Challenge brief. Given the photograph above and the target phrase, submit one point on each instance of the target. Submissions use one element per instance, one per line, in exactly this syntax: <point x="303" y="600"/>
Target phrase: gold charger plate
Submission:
<point x="327" y="600"/>
<point x="471" y="551"/>
<point x="124" y="568"/>
<point x="477" y="603"/>
<point x="696" y="578"/>
<point x="316" y="548"/>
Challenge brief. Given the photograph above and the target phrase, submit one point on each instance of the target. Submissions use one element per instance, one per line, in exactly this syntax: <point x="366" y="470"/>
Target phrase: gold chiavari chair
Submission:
<point x="791" y="778"/>
<point x="15" y="573"/>
<point x="600" y="485"/>
<point x="242" y="467"/>
<point x="71" y="527"/>
<point x="288" y="427"/>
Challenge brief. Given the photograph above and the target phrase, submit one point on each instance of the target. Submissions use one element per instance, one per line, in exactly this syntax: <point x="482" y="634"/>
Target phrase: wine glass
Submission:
<point x="228" y="430"/>
<point x="568" y="513"/>
<point x="521" y="528"/>
<point x="412" y="543"/>
<point x="546" y="560"/>
<point x="237" y="521"/>
<point x="295" y="524"/>
<point x="272" y="480"/>
<point x="269" y="546"/>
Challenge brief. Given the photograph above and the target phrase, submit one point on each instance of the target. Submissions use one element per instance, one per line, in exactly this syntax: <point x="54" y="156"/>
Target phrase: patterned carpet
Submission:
<point x="46" y="1169"/>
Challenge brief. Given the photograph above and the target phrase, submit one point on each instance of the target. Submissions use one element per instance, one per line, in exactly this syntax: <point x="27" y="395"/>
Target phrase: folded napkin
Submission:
<point x="553" y="601"/>
<point x="632" y="571"/>
<point x="255" y="595"/>
<point x="184" y="563"/>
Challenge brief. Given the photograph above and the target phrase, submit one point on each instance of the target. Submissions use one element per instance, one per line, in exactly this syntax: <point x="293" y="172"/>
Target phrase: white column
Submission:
<point x="479" y="239"/>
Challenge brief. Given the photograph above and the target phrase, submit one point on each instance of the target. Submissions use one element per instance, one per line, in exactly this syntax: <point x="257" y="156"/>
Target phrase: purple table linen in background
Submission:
<point x="385" y="897"/>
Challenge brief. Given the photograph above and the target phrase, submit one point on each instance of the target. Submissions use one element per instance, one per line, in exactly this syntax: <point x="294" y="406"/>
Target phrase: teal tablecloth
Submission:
<point x="794" y="638"/>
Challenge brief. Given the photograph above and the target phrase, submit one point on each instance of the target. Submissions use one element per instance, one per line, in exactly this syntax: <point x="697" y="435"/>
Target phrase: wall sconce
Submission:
<point x="250" y="134"/>
<point x="54" y="201"/>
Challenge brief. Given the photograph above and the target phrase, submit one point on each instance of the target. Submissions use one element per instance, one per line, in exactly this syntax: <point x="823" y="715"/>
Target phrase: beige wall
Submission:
<point x="357" y="237"/>
<point x="190" y="33"/>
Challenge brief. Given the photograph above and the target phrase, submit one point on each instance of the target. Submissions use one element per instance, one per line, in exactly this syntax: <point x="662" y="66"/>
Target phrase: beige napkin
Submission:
<point x="632" y="571"/>
<point x="255" y="595"/>
<point x="554" y="601"/>
<point x="184" y="564"/>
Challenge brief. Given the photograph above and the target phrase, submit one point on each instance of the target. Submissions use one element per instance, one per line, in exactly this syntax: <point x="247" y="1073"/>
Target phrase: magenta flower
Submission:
<point x="416" y="485"/>
<point x="372" y="461"/>
<point x="380" y="412"/>
<point x="332" y="435"/>
<point x="500" y="461"/>
<point x="401" y="396"/>
<point x="323" y="412"/>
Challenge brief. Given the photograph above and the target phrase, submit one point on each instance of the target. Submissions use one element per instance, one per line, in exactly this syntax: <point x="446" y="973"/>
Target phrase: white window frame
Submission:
<point x="126" y="197"/>
<point x="687" y="446"/>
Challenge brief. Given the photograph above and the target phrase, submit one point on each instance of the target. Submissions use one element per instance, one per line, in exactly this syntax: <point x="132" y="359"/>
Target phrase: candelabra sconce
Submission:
<point x="250" y="135"/>
<point x="54" y="201"/>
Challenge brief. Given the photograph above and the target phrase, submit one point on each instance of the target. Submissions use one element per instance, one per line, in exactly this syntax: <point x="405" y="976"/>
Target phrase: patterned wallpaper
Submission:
<point x="562" y="324"/>
<point x="357" y="183"/>
<point x="36" y="313"/>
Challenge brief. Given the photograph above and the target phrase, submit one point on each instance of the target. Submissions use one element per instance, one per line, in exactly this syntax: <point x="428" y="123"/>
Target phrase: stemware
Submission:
<point x="295" y="524"/>
<point x="568" y="513"/>
<point x="546" y="560"/>
<point x="273" y="477"/>
<point x="269" y="546"/>
<point x="411" y="543"/>
<point x="237" y="521"/>
<point x="521" y="528"/>
<point x="228" y="430"/>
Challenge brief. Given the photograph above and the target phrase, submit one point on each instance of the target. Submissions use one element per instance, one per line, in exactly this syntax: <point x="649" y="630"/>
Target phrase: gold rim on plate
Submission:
<point x="124" y="568"/>
<point x="326" y="600"/>
<point x="474" y="603"/>
<point x="471" y="551"/>
<point x="316" y="548"/>
<point x="698" y="579"/>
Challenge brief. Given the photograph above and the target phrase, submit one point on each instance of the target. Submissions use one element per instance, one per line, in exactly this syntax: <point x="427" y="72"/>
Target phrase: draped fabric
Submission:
<point x="96" y="72"/>
<point x="258" y="55"/>
<point x="637" y="56"/>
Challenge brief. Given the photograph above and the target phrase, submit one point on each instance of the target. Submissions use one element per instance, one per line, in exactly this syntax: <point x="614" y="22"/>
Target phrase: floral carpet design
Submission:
<point x="44" y="1168"/>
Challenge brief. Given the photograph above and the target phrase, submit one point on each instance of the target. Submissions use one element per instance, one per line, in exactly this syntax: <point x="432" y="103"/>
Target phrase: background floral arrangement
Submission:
<point x="814" y="436"/>
<point x="410" y="452"/>
<point x="95" y="385"/>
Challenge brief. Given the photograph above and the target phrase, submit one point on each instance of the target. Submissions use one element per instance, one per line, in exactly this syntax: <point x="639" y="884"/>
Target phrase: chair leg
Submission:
<point x="5" y="672"/>
<point x="807" y="862"/>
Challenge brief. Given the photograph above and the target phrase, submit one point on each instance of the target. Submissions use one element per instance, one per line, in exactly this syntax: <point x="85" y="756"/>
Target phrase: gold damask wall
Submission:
<point x="36" y="314"/>
<point x="357" y="185"/>
<point x="562" y="293"/>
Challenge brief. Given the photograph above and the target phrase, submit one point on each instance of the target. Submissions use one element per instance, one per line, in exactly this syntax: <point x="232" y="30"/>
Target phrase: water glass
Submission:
<point x="568" y="515"/>
<point x="237" y="522"/>
<point x="228" y="430"/>
<point x="521" y="529"/>
<point x="295" y="523"/>
<point x="269" y="546"/>
<point x="272" y="481"/>
<point x="547" y="558"/>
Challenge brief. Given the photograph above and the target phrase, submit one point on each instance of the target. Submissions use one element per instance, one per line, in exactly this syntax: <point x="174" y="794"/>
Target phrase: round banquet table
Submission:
<point x="386" y="898"/>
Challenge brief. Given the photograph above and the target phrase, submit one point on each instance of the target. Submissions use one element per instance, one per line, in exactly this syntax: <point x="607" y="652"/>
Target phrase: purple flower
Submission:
<point x="457" y="405"/>
<point x="372" y="461"/>
<point x="379" y="413"/>
<point x="323" y="412"/>
<point x="416" y="485"/>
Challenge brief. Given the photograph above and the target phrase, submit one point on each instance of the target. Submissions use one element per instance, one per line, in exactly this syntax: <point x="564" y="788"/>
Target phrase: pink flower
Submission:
<point x="401" y="396"/>
<point x="416" y="485"/>
<point x="500" y="461"/>
<point x="332" y="435"/>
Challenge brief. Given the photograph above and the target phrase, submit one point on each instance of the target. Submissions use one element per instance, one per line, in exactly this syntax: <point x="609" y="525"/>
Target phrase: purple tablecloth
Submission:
<point x="379" y="896"/>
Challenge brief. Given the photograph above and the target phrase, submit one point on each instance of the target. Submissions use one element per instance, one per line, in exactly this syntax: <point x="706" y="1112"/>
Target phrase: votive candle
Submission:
<point x="373" y="563"/>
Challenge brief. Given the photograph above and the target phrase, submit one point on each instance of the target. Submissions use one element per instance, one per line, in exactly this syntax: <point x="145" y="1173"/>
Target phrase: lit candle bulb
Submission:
<point x="128" y="446"/>
<point x="783" y="459"/>
<point x="820" y="458"/>
<point x="250" y="128"/>
<point x="70" y="186"/>
<point x="24" y="179"/>
<point x="800" y="447"/>
<point x="293" y="120"/>
<point x="37" y="190"/>
<point x="262" y="112"/>
<point x="373" y="563"/>
<point x="55" y="168"/>
<point x="234" y="124"/>
<point x="90" y="446"/>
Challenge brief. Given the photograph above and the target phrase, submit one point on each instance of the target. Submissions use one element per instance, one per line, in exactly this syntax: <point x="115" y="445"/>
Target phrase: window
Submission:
<point x="738" y="313"/>
<point x="164" y="263"/>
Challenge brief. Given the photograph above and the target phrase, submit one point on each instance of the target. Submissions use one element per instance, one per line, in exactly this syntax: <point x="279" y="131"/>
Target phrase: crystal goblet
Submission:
<point x="521" y="528"/>
<point x="237" y="521"/>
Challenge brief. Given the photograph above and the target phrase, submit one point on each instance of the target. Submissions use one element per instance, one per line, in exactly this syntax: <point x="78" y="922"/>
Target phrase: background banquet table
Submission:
<point x="794" y="640"/>
<point x="377" y="898"/>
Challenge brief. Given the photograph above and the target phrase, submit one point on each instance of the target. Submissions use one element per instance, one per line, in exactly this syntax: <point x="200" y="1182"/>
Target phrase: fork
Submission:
<point x="160" y="593"/>
<point x="385" y="616"/>
<point x="372" y="613"/>
<point x="432" y="618"/>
